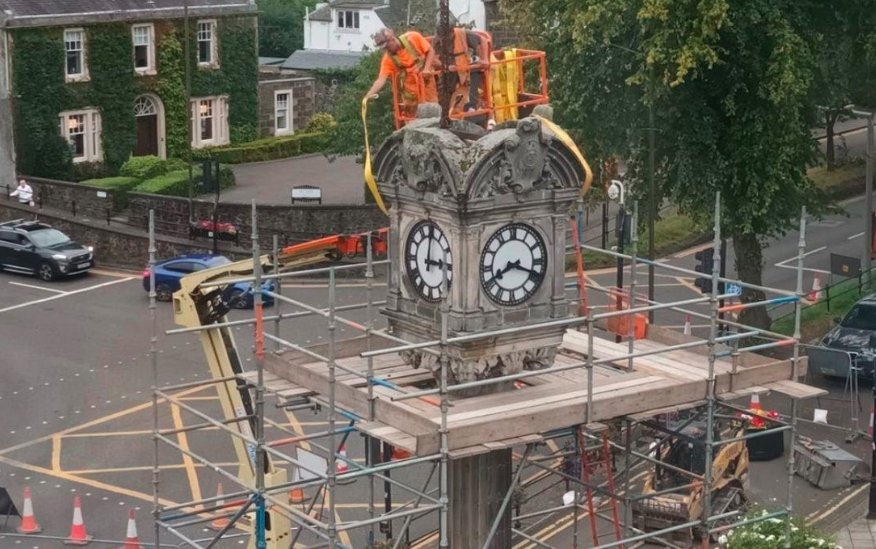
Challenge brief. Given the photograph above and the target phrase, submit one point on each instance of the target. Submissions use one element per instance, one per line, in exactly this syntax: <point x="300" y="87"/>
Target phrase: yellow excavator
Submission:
<point x="686" y="451"/>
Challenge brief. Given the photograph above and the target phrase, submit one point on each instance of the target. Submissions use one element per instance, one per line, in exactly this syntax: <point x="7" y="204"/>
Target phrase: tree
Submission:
<point x="281" y="26"/>
<point x="730" y="84"/>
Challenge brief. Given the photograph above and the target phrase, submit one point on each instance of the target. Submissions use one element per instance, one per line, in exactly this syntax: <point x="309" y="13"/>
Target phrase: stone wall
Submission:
<point x="303" y="100"/>
<point x="290" y="223"/>
<point x="77" y="199"/>
<point x="115" y="245"/>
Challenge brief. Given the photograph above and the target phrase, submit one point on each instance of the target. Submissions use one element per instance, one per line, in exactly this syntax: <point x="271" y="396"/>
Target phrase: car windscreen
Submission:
<point x="46" y="238"/>
<point x="861" y="317"/>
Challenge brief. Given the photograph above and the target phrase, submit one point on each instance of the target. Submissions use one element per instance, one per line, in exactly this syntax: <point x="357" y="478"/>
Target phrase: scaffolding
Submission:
<point x="540" y="454"/>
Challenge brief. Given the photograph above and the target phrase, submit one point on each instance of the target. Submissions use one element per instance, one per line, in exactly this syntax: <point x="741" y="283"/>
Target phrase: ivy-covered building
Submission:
<point x="89" y="83"/>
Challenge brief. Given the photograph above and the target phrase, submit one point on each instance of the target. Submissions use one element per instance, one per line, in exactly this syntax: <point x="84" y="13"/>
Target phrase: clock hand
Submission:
<point x="429" y="262"/>
<point x="520" y="267"/>
<point x="508" y="266"/>
<point x="439" y="263"/>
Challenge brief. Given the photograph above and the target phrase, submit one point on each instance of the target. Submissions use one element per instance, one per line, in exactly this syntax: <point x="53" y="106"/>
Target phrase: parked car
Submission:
<point x="169" y="272"/>
<point x="854" y="333"/>
<point x="31" y="247"/>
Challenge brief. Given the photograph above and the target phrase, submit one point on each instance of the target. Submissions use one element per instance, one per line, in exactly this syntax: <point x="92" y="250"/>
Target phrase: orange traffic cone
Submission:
<point x="78" y="533"/>
<point x="400" y="453"/>
<point x="296" y="495"/>
<point x="28" y="524"/>
<point x="687" y="325"/>
<point x="132" y="541"/>
<point x="755" y="403"/>
<point x="220" y="523"/>
<point x="870" y="428"/>
<point x="341" y="464"/>
<point x="815" y="294"/>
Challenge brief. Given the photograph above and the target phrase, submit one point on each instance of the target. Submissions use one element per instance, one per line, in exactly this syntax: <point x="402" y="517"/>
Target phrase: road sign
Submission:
<point x="844" y="265"/>
<point x="733" y="289"/>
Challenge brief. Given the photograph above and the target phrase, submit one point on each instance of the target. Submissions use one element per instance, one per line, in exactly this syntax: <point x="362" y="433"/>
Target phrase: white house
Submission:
<point x="347" y="25"/>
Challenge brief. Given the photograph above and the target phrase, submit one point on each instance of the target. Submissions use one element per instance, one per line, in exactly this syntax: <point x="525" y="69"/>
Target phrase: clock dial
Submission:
<point x="426" y="251"/>
<point x="513" y="264"/>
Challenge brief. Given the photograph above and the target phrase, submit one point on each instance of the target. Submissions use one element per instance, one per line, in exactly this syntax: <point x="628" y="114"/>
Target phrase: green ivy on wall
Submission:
<point x="41" y="92"/>
<point x="237" y="75"/>
<point x="170" y="87"/>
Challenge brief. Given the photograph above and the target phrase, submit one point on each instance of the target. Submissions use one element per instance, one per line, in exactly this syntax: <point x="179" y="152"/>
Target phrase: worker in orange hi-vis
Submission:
<point x="406" y="57"/>
<point x="471" y="57"/>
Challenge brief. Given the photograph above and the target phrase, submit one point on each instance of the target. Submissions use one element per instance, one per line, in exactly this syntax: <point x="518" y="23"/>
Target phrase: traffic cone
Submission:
<point x="687" y="325"/>
<point x="78" y="533"/>
<point x="755" y="403"/>
<point x="341" y="466"/>
<point x="400" y="453"/>
<point x="28" y="524"/>
<point x="296" y="495"/>
<point x="132" y="541"/>
<point x="815" y="293"/>
<point x="219" y="523"/>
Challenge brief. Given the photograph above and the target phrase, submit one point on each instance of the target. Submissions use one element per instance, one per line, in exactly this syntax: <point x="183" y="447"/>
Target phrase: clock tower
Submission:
<point x="490" y="212"/>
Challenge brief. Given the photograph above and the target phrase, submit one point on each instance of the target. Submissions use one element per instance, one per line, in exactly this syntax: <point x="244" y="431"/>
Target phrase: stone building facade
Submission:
<point x="286" y="102"/>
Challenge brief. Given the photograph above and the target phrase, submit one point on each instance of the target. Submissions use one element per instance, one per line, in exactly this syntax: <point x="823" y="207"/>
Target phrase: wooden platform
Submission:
<point x="547" y="402"/>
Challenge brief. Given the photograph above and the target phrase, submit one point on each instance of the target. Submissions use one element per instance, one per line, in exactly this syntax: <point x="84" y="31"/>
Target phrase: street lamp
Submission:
<point x="616" y="192"/>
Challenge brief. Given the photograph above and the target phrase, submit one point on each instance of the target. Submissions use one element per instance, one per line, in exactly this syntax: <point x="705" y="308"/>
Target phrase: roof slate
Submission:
<point x="322" y="59"/>
<point x="52" y="12"/>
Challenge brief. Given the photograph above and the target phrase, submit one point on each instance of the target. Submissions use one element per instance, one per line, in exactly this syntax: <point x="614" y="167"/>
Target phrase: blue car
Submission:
<point x="169" y="272"/>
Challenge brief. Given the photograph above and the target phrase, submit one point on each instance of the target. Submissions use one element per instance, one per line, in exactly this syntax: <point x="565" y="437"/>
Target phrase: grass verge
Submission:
<point x="817" y="319"/>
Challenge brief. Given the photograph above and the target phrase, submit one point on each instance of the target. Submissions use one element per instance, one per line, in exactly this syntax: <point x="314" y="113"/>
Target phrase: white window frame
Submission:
<point x="83" y="57"/>
<point x="341" y="20"/>
<point x="290" y="125"/>
<point x="219" y="116"/>
<point x="150" y="48"/>
<point x="92" y="133"/>
<point x="214" y="44"/>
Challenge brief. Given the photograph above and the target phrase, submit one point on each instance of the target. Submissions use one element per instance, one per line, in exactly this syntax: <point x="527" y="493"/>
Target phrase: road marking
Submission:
<point x="854" y="236"/>
<point x="37" y="287"/>
<point x="82" y="290"/>
<point x="183" y="442"/>
<point x="813" y="519"/>
<point x="691" y="251"/>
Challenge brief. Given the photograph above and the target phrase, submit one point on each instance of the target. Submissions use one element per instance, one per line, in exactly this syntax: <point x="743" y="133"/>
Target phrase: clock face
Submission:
<point x="513" y="264"/>
<point x="426" y="252"/>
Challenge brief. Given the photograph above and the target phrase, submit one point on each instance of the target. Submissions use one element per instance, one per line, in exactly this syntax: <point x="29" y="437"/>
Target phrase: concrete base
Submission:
<point x="477" y="486"/>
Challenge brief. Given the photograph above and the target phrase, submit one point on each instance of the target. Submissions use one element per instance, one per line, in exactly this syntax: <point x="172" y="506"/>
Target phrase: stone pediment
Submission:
<point x="423" y="162"/>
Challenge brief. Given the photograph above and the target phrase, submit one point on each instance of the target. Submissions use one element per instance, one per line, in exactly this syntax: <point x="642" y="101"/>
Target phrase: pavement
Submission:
<point x="860" y="534"/>
<point x="339" y="178"/>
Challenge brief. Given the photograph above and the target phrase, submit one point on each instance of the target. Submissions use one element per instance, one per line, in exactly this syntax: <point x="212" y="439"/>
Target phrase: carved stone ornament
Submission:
<point x="463" y="371"/>
<point x="423" y="170"/>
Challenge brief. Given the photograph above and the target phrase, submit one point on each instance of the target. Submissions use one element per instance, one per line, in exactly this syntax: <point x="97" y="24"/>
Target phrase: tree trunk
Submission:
<point x="749" y="268"/>
<point x="829" y="122"/>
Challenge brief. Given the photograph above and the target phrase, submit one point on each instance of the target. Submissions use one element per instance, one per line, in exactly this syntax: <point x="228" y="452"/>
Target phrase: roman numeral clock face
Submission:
<point x="513" y="264"/>
<point x="426" y="252"/>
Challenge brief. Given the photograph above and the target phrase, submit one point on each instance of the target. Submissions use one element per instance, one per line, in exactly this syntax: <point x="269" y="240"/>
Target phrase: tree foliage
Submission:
<point x="731" y="85"/>
<point x="281" y="26"/>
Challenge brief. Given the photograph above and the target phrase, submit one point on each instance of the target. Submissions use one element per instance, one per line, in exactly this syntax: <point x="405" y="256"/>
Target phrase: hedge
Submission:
<point x="147" y="167"/>
<point x="273" y="148"/>
<point x="176" y="183"/>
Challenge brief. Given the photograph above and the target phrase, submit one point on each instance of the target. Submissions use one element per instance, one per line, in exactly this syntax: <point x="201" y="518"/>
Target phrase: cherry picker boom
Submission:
<point x="199" y="304"/>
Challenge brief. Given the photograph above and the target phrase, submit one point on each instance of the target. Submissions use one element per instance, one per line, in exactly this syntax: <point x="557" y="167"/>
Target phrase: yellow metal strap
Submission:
<point x="369" y="177"/>
<point x="566" y="140"/>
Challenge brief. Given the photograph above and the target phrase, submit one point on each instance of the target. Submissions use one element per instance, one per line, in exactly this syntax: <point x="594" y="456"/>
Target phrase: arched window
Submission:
<point x="145" y="106"/>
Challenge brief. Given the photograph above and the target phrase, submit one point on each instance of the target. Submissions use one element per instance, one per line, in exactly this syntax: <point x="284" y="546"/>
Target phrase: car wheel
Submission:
<point x="238" y="299"/>
<point x="46" y="272"/>
<point x="163" y="292"/>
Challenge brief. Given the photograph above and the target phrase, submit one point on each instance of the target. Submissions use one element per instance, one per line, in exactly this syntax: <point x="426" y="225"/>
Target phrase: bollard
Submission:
<point x="108" y="212"/>
<point x="74" y="207"/>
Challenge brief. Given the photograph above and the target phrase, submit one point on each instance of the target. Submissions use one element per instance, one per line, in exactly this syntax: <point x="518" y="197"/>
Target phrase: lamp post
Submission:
<point x="868" y="192"/>
<point x="616" y="191"/>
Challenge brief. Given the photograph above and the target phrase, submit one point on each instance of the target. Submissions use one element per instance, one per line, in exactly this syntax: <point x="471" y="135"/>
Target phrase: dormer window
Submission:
<point x="348" y="19"/>
<point x="75" y="68"/>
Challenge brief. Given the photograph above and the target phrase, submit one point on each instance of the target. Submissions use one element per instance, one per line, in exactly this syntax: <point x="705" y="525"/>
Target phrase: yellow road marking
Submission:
<point x="142" y="468"/>
<point x="816" y="518"/>
<point x="56" y="454"/>
<point x="183" y="441"/>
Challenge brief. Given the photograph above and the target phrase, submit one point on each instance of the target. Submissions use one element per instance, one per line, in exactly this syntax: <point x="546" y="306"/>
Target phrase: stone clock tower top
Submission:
<point x="491" y="211"/>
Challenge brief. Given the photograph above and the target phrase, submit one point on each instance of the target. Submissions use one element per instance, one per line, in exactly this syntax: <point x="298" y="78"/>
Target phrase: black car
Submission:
<point x="854" y="334"/>
<point x="31" y="247"/>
